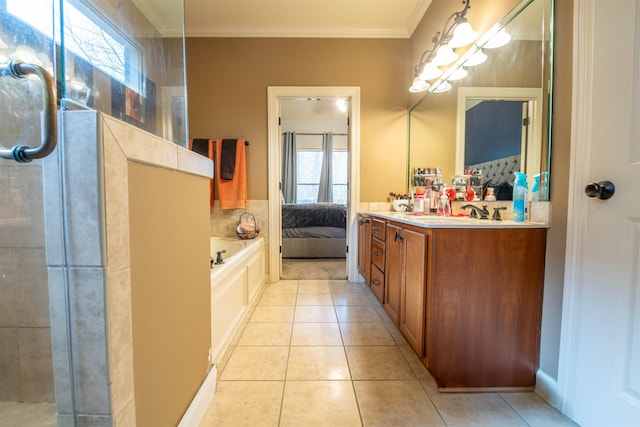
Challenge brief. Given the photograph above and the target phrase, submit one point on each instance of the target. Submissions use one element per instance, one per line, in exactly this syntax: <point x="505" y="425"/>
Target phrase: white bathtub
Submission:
<point x="235" y="284"/>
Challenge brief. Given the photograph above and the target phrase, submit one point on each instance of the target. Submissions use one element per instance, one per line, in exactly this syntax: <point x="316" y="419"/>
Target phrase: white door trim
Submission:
<point x="576" y="218"/>
<point x="274" y="94"/>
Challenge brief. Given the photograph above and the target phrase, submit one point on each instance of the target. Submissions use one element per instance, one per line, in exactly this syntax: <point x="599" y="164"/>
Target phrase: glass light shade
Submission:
<point x="442" y="87"/>
<point x="476" y="59"/>
<point x="430" y="71"/>
<point x="463" y="35"/>
<point x="445" y="55"/>
<point x="418" y="85"/>
<point x="500" y="39"/>
<point x="458" y="74"/>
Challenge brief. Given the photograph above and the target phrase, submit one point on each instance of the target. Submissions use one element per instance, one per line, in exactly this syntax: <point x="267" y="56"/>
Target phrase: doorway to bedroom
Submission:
<point x="315" y="179"/>
<point x="313" y="167"/>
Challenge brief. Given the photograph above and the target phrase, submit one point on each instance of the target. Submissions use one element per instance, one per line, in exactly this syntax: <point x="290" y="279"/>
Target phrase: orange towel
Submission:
<point x="208" y="152"/>
<point x="232" y="192"/>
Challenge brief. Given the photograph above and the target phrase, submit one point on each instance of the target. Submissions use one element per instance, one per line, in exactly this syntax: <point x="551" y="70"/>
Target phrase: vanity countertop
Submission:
<point x="433" y="221"/>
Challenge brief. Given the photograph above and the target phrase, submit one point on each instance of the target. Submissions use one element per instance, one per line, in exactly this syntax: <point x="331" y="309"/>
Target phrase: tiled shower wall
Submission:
<point x="25" y="335"/>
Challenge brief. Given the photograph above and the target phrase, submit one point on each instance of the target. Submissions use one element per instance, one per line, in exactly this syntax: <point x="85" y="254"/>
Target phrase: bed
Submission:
<point x="316" y="230"/>
<point x="499" y="174"/>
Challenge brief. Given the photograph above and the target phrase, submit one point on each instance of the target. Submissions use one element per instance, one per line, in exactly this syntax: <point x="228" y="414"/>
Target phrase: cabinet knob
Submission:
<point x="603" y="190"/>
<point x="375" y="282"/>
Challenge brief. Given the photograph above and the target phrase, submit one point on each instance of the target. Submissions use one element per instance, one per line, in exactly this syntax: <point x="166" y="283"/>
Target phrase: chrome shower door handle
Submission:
<point x="24" y="153"/>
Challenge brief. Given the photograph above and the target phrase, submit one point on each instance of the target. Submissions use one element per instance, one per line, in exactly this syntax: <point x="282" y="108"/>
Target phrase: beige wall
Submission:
<point x="170" y="295"/>
<point x="227" y="90"/>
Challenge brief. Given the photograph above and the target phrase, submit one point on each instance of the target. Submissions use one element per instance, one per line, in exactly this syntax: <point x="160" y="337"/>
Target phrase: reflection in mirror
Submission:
<point x="497" y="116"/>
<point x="498" y="133"/>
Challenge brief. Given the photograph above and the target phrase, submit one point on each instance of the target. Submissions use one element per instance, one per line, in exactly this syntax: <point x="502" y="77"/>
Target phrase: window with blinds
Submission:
<point x="308" y="175"/>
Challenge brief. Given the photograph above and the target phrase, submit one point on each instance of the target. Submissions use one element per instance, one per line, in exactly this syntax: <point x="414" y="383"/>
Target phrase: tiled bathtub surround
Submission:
<point x="224" y="221"/>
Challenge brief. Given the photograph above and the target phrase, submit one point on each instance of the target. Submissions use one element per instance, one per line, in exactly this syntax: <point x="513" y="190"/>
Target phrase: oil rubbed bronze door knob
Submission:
<point x="603" y="190"/>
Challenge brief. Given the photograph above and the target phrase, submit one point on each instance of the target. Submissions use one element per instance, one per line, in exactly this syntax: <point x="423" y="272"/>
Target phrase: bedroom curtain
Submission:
<point x="324" y="189"/>
<point x="289" y="167"/>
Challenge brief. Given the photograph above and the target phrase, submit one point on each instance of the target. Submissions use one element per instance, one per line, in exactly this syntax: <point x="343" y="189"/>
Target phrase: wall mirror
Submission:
<point x="496" y="119"/>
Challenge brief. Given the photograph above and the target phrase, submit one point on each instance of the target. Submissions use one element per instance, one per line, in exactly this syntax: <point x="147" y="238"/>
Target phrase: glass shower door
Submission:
<point x="27" y="394"/>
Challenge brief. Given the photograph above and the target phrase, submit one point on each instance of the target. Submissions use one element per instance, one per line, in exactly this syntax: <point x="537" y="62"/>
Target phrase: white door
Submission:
<point x="600" y="357"/>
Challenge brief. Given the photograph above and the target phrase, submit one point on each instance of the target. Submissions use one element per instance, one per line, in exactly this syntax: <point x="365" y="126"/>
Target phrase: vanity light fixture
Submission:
<point x="457" y="32"/>
<point x="499" y="39"/>
<point x="458" y="74"/>
<point x="419" y="85"/>
<point x="477" y="58"/>
<point x="444" y="86"/>
<point x="430" y="72"/>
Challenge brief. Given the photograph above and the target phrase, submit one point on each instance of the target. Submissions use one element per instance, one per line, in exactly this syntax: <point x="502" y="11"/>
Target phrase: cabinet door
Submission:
<point x="393" y="272"/>
<point x="364" y="248"/>
<point x="413" y="295"/>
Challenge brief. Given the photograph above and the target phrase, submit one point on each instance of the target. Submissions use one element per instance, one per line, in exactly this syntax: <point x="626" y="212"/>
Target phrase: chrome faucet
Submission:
<point x="476" y="212"/>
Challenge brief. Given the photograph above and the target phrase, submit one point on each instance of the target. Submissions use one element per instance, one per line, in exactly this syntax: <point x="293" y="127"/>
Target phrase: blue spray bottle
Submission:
<point x="535" y="189"/>
<point x="520" y="192"/>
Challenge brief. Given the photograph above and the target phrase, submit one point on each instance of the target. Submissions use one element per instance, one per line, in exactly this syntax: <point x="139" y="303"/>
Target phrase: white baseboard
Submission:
<point x="198" y="407"/>
<point x="547" y="388"/>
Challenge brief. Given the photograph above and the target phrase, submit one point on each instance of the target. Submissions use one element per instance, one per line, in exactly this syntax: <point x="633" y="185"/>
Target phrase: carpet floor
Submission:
<point x="316" y="268"/>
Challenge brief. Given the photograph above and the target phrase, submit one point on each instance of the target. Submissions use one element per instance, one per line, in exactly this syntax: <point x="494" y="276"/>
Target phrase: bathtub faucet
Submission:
<point x="219" y="259"/>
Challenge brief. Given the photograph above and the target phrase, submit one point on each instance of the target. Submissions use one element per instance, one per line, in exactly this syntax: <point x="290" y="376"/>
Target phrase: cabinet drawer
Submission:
<point x="377" y="283"/>
<point x="377" y="229"/>
<point x="377" y="253"/>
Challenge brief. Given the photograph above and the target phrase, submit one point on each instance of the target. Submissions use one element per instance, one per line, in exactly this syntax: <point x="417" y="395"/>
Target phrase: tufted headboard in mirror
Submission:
<point x="498" y="170"/>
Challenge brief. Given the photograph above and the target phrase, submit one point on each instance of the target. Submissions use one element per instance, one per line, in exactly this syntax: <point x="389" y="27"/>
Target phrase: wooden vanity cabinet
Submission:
<point x="406" y="281"/>
<point x="467" y="300"/>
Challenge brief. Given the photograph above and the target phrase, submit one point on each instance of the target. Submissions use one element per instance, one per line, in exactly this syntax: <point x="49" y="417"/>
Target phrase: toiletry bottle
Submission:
<point x="520" y="192"/>
<point x="433" y="201"/>
<point x="418" y="202"/>
<point x="535" y="189"/>
<point x="444" y="209"/>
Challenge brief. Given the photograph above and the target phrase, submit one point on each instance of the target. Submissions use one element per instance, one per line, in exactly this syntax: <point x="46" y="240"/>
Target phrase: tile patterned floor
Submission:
<point x="324" y="353"/>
